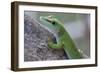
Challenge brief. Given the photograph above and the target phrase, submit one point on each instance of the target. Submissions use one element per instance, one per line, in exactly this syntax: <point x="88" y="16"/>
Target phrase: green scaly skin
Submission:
<point x="64" y="39"/>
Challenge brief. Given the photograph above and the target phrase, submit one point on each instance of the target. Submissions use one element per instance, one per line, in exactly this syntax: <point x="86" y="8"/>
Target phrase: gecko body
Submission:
<point x="64" y="40"/>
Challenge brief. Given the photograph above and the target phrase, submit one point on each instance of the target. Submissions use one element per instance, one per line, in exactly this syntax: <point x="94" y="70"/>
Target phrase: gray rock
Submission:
<point x="35" y="42"/>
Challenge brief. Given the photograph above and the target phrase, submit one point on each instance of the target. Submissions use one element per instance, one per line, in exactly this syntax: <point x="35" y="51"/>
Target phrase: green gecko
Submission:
<point x="63" y="38"/>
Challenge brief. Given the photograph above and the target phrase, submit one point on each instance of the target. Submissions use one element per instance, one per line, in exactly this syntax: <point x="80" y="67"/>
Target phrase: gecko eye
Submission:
<point x="53" y="23"/>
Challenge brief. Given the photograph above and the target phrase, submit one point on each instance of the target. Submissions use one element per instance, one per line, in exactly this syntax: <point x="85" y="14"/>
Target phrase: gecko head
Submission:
<point x="50" y="22"/>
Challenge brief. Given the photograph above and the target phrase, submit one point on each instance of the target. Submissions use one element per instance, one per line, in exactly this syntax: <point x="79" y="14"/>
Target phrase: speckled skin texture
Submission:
<point x="35" y="43"/>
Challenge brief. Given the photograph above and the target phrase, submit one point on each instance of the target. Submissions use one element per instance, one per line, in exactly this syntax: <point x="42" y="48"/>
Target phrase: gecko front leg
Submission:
<point x="53" y="45"/>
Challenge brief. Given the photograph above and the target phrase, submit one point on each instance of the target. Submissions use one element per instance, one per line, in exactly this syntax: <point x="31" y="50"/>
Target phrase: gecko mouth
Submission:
<point x="48" y="20"/>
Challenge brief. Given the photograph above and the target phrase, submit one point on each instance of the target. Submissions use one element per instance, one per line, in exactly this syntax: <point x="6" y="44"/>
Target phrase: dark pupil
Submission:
<point x="53" y="22"/>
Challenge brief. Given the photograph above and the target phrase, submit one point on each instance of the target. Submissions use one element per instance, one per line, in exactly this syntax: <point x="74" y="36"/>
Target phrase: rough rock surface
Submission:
<point x="35" y="42"/>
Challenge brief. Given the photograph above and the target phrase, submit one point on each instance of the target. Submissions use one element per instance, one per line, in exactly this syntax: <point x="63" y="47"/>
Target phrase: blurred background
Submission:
<point x="78" y="26"/>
